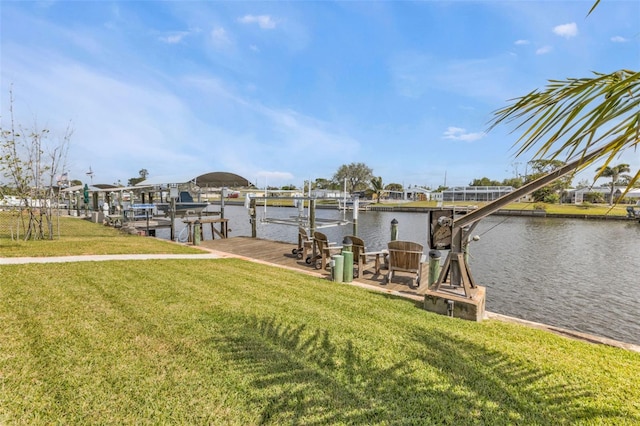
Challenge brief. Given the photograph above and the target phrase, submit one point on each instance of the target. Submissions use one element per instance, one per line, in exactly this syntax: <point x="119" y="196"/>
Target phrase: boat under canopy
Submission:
<point x="188" y="186"/>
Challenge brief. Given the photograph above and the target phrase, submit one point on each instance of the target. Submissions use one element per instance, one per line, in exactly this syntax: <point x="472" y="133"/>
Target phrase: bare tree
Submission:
<point x="30" y="161"/>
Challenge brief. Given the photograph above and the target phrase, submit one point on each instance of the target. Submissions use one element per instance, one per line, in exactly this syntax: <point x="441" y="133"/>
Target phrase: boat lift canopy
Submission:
<point x="206" y="180"/>
<point x="303" y="220"/>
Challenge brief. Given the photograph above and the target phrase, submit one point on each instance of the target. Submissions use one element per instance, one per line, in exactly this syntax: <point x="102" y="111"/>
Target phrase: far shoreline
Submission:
<point x="572" y="211"/>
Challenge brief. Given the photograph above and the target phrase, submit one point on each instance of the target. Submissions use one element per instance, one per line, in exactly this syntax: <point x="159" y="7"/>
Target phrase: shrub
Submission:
<point x="551" y="198"/>
<point x="594" y="197"/>
<point x="539" y="206"/>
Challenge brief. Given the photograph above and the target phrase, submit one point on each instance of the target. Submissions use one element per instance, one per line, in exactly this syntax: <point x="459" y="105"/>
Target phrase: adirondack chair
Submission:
<point x="305" y="244"/>
<point x="405" y="256"/>
<point x="323" y="251"/>
<point x="362" y="258"/>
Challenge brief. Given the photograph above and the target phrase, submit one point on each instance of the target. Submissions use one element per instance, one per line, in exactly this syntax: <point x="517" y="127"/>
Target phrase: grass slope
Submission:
<point x="81" y="237"/>
<point x="232" y="342"/>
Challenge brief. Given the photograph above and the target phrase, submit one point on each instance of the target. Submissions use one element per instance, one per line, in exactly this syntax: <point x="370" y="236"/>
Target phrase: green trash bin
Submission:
<point x="347" y="276"/>
<point x="337" y="267"/>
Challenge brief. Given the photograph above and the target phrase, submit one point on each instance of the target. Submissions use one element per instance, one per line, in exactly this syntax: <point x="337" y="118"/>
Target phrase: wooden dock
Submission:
<point x="280" y="254"/>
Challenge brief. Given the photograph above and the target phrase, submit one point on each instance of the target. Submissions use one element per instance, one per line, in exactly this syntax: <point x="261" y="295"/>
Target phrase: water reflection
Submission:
<point x="576" y="274"/>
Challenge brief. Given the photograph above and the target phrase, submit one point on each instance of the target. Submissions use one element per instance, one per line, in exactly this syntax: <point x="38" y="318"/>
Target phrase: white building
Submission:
<point x="578" y="196"/>
<point x="475" y="193"/>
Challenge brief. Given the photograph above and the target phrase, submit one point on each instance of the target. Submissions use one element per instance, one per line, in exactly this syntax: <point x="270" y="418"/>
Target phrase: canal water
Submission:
<point x="582" y="275"/>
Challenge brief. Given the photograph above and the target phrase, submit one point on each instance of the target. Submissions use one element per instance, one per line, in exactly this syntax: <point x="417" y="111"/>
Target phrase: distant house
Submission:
<point x="328" y="193"/>
<point x="578" y="196"/>
<point x="475" y="193"/>
<point x="418" y="193"/>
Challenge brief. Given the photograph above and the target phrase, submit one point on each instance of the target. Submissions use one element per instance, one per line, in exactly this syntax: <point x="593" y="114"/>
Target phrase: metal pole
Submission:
<point x="356" y="208"/>
<point x="344" y="197"/>
<point x="223" y="193"/>
<point x="222" y="196"/>
<point x="347" y="254"/>
<point x="312" y="226"/>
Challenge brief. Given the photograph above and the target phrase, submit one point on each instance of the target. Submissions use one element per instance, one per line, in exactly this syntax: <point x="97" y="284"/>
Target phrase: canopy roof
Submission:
<point x="99" y="188"/>
<point x="214" y="179"/>
<point x="220" y="179"/>
<point x="81" y="188"/>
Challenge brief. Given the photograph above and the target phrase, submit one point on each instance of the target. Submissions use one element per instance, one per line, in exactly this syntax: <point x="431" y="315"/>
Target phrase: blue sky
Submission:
<point x="281" y="92"/>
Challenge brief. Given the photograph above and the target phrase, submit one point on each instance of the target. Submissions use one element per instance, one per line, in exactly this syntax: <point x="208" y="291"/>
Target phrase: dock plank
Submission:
<point x="279" y="254"/>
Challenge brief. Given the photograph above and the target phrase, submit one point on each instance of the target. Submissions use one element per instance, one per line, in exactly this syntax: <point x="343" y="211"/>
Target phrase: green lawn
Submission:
<point x="78" y="237"/>
<point x="232" y="342"/>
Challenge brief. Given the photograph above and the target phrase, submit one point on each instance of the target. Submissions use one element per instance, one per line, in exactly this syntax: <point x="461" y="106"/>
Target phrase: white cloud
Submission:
<point x="109" y="116"/>
<point x="276" y="138"/>
<point x="174" y="37"/>
<point x="543" y="50"/>
<point x="619" y="39"/>
<point x="264" y="21"/>
<point x="460" y="134"/>
<point x="219" y="37"/>
<point x="566" y="30"/>
<point x="521" y="42"/>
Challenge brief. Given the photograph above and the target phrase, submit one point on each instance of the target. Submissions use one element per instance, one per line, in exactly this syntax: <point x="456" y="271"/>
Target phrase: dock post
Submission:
<point x="196" y="233"/>
<point x="223" y="193"/>
<point x="173" y="219"/>
<point x="394" y="229"/>
<point x="312" y="215"/>
<point x="252" y="218"/>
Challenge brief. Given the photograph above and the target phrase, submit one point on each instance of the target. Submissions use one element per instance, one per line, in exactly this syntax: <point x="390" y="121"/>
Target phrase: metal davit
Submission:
<point x="455" y="290"/>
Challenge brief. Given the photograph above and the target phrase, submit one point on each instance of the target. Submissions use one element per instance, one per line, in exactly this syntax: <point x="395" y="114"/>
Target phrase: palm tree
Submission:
<point x="376" y="184"/>
<point x="614" y="173"/>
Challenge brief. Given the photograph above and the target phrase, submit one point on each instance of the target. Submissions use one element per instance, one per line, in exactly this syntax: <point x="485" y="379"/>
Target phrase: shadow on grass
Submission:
<point x="508" y="390"/>
<point x="296" y="379"/>
<point x="294" y="375"/>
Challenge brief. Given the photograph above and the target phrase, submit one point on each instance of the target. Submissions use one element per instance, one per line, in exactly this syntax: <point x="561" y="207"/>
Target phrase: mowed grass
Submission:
<point x="230" y="342"/>
<point x="73" y="236"/>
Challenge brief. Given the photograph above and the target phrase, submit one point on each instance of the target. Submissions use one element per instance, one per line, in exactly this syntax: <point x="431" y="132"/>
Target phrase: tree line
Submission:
<point x="360" y="178"/>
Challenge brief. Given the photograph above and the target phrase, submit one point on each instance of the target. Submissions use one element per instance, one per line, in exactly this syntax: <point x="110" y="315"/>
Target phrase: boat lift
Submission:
<point x="304" y="219"/>
<point x="455" y="284"/>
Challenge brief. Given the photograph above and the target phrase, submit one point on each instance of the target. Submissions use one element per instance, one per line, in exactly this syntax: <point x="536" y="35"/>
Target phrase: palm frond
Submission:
<point x="574" y="116"/>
